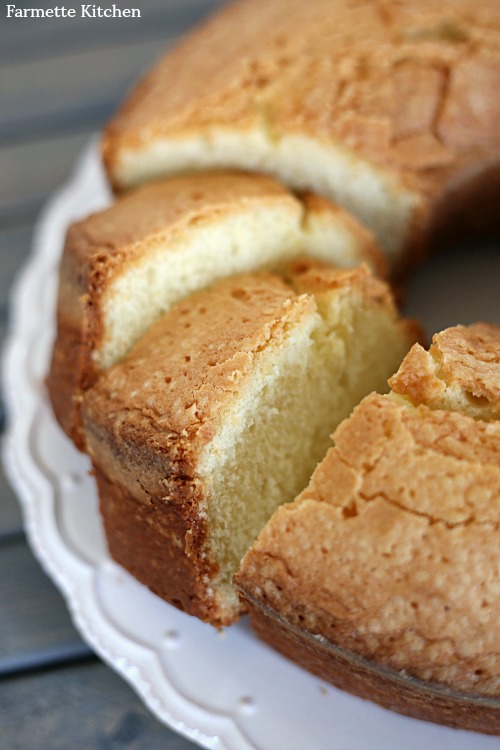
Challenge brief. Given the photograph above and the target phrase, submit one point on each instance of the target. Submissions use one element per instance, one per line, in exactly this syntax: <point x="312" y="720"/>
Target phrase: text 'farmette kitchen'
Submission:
<point x="61" y="11"/>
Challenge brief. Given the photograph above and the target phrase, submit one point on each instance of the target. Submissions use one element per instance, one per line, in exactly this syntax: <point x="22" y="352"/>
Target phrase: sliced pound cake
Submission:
<point x="125" y="266"/>
<point x="220" y="413"/>
<point x="383" y="575"/>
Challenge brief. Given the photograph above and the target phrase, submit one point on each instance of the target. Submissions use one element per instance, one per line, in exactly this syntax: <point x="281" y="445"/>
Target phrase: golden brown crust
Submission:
<point x="390" y="554"/>
<point x="463" y="361"/>
<point x="102" y="247"/>
<point x="165" y="207"/>
<point x="128" y="522"/>
<point x="181" y="374"/>
<point x="411" y="87"/>
<point x="103" y="244"/>
<point x="79" y="329"/>
<point x="147" y="419"/>
<point x="310" y="276"/>
<point x="397" y="81"/>
<point x="150" y="504"/>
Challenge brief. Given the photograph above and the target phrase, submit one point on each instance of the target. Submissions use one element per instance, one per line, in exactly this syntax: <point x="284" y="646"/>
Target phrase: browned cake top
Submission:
<point x="313" y="277"/>
<point x="168" y="206"/>
<point x="461" y="361"/>
<point x="412" y="84"/>
<point x="392" y="550"/>
<point x="182" y="373"/>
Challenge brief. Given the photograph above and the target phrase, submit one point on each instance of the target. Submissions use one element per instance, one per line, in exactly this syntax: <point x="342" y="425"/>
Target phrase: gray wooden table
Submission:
<point x="60" y="80"/>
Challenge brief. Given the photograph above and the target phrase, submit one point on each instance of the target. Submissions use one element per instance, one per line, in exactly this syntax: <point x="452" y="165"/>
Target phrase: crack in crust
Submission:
<point x="332" y="75"/>
<point x="392" y="550"/>
<point x="460" y="372"/>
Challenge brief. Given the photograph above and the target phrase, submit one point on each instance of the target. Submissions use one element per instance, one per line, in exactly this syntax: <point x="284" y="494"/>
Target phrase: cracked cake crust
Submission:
<point x="153" y="422"/>
<point x="432" y="607"/>
<point x="163" y="221"/>
<point x="408" y="89"/>
<point x="460" y="371"/>
<point x="390" y="555"/>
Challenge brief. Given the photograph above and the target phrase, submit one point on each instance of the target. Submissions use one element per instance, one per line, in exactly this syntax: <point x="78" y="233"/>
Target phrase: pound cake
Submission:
<point x="383" y="575"/>
<point x="220" y="413"/>
<point x="124" y="266"/>
<point x="389" y="107"/>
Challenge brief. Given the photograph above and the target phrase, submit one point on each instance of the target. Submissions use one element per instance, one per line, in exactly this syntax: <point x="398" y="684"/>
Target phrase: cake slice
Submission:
<point x="125" y="266"/>
<point x="382" y="576"/>
<point x="220" y="413"/>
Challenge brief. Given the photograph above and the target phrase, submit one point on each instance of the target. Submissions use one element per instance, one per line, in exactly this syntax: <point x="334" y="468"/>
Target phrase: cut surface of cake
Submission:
<point x="221" y="412"/>
<point x="125" y="266"/>
<point x="382" y="576"/>
<point x="389" y="108"/>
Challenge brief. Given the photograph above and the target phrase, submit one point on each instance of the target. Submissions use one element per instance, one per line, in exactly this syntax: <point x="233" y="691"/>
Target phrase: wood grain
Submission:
<point x="71" y="89"/>
<point x="84" y="706"/>
<point x="34" y="621"/>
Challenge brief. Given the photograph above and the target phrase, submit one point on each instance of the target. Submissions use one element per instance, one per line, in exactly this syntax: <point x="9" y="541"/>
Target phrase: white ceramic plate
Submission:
<point x="221" y="690"/>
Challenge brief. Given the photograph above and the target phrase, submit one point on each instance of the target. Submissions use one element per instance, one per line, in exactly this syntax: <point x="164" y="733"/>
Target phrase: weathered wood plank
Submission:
<point x="14" y="248"/>
<point x="11" y="523"/>
<point x="34" y="623"/>
<point x="10" y="512"/>
<point x="72" y="90"/>
<point x="31" y="171"/>
<point x="86" y="706"/>
<point x="20" y="40"/>
<point x="35" y="39"/>
<point x="15" y="245"/>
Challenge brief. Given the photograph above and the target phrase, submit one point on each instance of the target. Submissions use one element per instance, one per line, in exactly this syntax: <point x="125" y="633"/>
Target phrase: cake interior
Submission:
<point x="251" y="238"/>
<point x="280" y="423"/>
<point x="172" y="269"/>
<point x="375" y="197"/>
